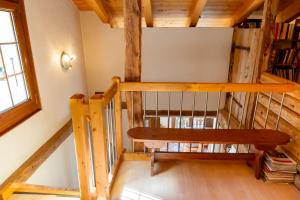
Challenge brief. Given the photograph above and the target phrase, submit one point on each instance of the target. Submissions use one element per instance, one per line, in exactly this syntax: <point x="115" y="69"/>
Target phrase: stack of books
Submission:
<point x="284" y="56"/>
<point x="284" y="31"/>
<point x="279" y="167"/>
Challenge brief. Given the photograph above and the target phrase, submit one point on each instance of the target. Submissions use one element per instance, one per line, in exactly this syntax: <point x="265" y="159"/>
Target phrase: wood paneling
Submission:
<point x="290" y="115"/>
<point x="185" y="13"/>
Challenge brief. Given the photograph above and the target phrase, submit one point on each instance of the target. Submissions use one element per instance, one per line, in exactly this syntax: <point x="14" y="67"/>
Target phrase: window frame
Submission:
<point x="16" y="115"/>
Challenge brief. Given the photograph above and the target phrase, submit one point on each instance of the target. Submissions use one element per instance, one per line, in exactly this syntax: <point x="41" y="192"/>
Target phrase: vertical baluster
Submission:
<point x="193" y="113"/>
<point x="230" y="110"/>
<point x="254" y="115"/>
<point x="255" y="108"/>
<point x="279" y="114"/>
<point x="156" y="111"/>
<point x="217" y="118"/>
<point x="242" y="117"/>
<point x="229" y="115"/>
<point x="132" y="119"/>
<point x="144" y="117"/>
<point x="145" y="107"/>
<point x="114" y="128"/>
<point x="108" y="139"/>
<point x="205" y="113"/>
<point x="169" y="107"/>
<point x="267" y="114"/>
<point x="180" y="117"/>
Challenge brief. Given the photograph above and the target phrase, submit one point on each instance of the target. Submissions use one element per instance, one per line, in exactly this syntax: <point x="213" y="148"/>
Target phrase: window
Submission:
<point x="19" y="97"/>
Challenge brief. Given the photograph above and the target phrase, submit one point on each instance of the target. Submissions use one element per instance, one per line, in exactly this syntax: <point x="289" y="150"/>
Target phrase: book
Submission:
<point x="279" y="167"/>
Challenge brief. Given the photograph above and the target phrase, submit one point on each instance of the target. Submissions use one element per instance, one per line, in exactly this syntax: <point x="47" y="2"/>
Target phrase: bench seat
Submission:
<point x="262" y="139"/>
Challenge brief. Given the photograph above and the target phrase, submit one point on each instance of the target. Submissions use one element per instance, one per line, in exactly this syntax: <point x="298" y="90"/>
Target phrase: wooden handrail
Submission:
<point x="46" y="190"/>
<point x="35" y="161"/>
<point x="205" y="87"/>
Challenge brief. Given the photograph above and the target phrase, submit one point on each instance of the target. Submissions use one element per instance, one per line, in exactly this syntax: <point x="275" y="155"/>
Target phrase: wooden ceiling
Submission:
<point x="184" y="13"/>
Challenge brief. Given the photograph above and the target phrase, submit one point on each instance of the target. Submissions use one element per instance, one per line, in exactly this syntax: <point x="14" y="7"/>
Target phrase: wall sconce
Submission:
<point x="66" y="60"/>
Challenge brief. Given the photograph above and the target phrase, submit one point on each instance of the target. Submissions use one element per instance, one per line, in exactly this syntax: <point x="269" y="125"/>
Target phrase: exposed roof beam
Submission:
<point x="245" y="10"/>
<point x="215" y="22"/>
<point x="196" y="12"/>
<point x="291" y="12"/>
<point x="148" y="12"/>
<point x="100" y="9"/>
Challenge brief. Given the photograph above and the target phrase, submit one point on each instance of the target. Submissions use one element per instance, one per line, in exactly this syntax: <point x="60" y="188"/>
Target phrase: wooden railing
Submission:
<point x="98" y="131"/>
<point x="16" y="182"/>
<point x="98" y="136"/>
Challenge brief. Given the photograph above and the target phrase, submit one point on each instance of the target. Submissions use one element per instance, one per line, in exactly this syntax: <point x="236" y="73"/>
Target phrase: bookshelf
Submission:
<point x="285" y="59"/>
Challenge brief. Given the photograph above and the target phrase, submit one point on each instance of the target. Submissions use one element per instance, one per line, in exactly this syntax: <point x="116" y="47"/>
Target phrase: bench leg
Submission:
<point x="152" y="162"/>
<point x="258" y="163"/>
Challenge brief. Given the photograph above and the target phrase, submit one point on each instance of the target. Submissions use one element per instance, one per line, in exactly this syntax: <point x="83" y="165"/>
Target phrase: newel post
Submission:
<point x="99" y="138"/>
<point x="118" y="116"/>
<point x="79" y="112"/>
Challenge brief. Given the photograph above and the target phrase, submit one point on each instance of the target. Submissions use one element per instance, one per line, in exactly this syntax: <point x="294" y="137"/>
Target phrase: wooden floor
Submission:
<point x="182" y="180"/>
<point x="40" y="197"/>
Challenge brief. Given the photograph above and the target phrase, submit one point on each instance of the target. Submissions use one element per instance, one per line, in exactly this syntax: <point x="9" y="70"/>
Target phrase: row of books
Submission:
<point x="284" y="56"/>
<point x="284" y="31"/>
<point x="279" y="167"/>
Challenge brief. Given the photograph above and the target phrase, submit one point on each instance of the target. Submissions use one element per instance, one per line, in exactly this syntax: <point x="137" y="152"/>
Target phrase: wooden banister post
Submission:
<point x="79" y="112"/>
<point x="118" y="117"/>
<point x="99" y="138"/>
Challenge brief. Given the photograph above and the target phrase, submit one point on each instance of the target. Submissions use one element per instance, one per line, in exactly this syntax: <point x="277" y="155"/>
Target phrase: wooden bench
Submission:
<point x="262" y="139"/>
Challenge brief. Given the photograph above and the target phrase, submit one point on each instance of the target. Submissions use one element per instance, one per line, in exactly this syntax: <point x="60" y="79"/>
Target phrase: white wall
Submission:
<point x="168" y="54"/>
<point x="54" y="27"/>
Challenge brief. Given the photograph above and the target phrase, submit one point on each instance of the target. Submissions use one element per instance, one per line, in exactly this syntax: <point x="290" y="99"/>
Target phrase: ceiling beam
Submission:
<point x="214" y="22"/>
<point x="196" y="12"/>
<point x="291" y="12"/>
<point x="148" y="14"/>
<point x="245" y="10"/>
<point x="100" y="9"/>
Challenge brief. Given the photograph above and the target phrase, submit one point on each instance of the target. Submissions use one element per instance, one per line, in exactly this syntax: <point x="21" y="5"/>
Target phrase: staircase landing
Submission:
<point x="182" y="180"/>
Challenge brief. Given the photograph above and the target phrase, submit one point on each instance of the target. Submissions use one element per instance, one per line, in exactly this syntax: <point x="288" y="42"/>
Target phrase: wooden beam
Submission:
<point x="291" y="12"/>
<point x="245" y="10"/>
<point x="99" y="7"/>
<point x="35" y="161"/>
<point x="148" y="13"/>
<point x="133" y="34"/>
<point x="196" y="12"/>
<point x="79" y="111"/>
<point x="45" y="190"/>
<point x="267" y="34"/>
<point x="215" y="22"/>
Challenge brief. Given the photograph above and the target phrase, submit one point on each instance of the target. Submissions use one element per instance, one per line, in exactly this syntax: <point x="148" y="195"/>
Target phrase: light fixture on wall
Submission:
<point x="66" y="60"/>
